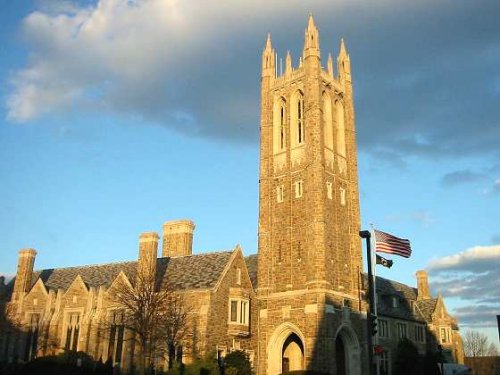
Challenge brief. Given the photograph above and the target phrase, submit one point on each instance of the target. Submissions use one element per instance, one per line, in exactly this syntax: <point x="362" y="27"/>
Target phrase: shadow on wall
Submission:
<point x="409" y="347"/>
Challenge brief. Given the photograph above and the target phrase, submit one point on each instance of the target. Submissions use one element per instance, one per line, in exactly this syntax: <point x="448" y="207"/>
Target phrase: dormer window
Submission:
<point x="394" y="302"/>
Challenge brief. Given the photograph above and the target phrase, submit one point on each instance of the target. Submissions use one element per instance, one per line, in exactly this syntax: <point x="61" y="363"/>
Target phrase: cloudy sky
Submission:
<point x="119" y="115"/>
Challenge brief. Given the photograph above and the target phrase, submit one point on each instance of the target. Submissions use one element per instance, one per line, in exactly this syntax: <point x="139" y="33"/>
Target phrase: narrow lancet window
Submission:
<point x="300" y="120"/>
<point x="279" y="125"/>
<point x="297" y="123"/>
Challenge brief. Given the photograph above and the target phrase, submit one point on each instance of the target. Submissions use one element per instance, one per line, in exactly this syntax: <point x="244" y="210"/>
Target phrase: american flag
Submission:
<point x="387" y="243"/>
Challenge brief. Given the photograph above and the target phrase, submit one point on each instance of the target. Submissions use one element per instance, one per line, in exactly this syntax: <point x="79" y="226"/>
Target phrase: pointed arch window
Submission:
<point x="279" y="125"/>
<point x="300" y="120"/>
<point x="328" y="121"/>
<point x="32" y="339"/>
<point x="297" y="123"/>
<point x="339" y="110"/>
<point x="116" y="335"/>
<point x="72" y="331"/>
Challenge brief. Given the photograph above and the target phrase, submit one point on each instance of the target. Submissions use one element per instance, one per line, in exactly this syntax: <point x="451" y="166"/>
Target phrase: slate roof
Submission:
<point x="389" y="288"/>
<point x="251" y="262"/>
<point x="200" y="271"/>
<point x="93" y="275"/>
<point x="427" y="307"/>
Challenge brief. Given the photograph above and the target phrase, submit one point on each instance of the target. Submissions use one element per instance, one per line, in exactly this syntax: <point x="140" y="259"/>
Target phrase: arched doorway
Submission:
<point x="347" y="352"/>
<point x="340" y="356"/>
<point x="292" y="357"/>
<point x="285" y="350"/>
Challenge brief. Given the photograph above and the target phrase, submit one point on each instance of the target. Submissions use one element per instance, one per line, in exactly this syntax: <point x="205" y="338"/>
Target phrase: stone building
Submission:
<point x="300" y="303"/>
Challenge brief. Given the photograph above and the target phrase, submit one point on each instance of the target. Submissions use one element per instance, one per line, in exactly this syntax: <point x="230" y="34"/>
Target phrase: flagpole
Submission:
<point x="375" y="309"/>
<point x="367" y="235"/>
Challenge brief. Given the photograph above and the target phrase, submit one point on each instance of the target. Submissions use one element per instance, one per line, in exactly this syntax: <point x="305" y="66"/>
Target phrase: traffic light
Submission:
<point x="373" y="324"/>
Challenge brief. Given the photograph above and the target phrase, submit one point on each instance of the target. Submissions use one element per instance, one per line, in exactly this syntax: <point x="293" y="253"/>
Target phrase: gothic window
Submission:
<point x="299" y="189"/>
<point x="32" y="338"/>
<point x="300" y="121"/>
<point x="328" y="121"/>
<point x="340" y="127"/>
<point x="279" y="125"/>
<point x="72" y="331"/>
<point x="297" y="123"/>
<point x="116" y="333"/>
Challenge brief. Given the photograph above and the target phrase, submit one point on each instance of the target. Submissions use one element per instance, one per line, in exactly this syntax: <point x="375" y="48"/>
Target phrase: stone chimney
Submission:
<point x="24" y="273"/>
<point x="148" y="253"/>
<point x="178" y="238"/>
<point x="423" y="285"/>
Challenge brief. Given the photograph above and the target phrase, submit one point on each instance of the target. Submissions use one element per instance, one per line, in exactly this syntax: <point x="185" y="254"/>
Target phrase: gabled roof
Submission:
<point x="92" y="275"/>
<point x="200" y="271"/>
<point x="427" y="308"/>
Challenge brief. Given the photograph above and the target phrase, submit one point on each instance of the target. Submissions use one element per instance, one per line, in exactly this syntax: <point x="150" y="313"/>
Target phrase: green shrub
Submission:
<point x="237" y="361"/>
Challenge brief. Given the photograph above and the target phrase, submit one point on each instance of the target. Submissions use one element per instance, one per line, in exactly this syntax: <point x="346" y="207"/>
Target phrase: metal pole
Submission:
<point x="371" y="298"/>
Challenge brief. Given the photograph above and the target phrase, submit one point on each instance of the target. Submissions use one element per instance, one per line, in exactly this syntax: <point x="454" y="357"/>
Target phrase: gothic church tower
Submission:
<point x="309" y="259"/>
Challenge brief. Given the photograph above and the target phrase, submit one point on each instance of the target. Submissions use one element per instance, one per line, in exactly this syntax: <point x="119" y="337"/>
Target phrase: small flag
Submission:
<point x="384" y="262"/>
<point x="387" y="243"/>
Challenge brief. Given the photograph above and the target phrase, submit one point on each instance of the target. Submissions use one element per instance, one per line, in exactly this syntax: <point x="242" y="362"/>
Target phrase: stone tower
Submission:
<point x="309" y="249"/>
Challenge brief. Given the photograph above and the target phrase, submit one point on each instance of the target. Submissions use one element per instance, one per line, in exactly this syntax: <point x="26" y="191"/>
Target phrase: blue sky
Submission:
<point x="117" y="116"/>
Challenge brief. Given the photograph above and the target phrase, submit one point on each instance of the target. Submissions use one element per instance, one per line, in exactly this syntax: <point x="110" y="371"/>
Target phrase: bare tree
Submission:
<point x="492" y="350"/>
<point x="9" y="320"/>
<point x="475" y="344"/>
<point x="155" y="316"/>
<point x="176" y="327"/>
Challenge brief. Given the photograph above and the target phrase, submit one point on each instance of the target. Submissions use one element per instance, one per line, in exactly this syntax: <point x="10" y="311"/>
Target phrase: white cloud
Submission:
<point x="165" y="61"/>
<point x="465" y="260"/>
<point x="472" y="276"/>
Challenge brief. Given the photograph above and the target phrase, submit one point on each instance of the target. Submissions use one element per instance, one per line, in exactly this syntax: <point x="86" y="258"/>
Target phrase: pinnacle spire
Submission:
<point x="311" y="40"/>
<point x="268" y="57"/>
<point x="269" y="45"/>
<point x="288" y="63"/>
<point x="343" y="61"/>
<point x="310" y="23"/>
<point x="330" y="65"/>
<point x="343" y="51"/>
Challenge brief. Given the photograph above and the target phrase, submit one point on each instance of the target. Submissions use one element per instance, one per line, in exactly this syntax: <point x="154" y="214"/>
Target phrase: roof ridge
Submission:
<point x="86" y="266"/>
<point x="397" y="282"/>
<point x="200" y="254"/>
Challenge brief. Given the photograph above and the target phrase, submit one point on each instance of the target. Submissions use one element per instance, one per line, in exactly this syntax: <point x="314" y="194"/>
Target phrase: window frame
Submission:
<point x="402" y="330"/>
<point x="242" y="312"/>
<point x="280" y="193"/>
<point x="383" y="331"/>
<point x="299" y="188"/>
